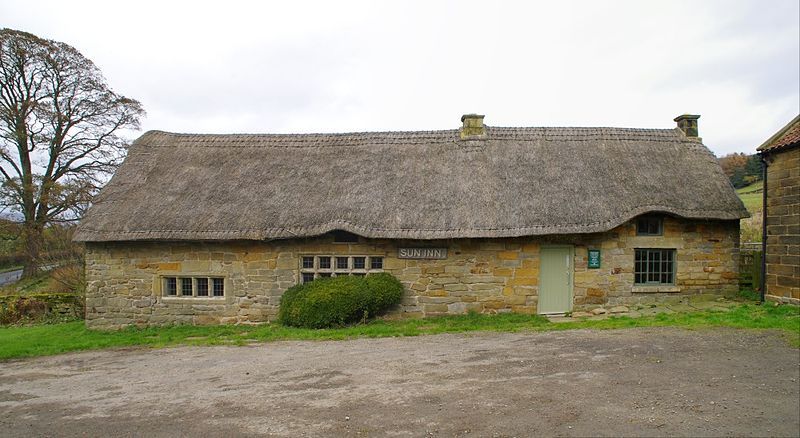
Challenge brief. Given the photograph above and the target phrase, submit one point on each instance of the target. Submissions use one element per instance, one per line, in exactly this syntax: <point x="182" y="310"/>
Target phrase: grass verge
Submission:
<point x="41" y="340"/>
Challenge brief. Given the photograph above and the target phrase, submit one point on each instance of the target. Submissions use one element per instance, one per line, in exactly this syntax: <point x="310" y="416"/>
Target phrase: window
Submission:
<point x="324" y="262"/>
<point x="171" y="286"/>
<point x="202" y="287"/>
<point x="649" y="226"/>
<point x="186" y="287"/>
<point x="323" y="266"/>
<point x="219" y="287"/>
<point x="654" y="266"/>
<point x="340" y="236"/>
<point x="199" y="287"/>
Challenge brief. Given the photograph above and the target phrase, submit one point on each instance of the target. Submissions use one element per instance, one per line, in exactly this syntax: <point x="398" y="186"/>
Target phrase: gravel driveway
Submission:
<point x="641" y="382"/>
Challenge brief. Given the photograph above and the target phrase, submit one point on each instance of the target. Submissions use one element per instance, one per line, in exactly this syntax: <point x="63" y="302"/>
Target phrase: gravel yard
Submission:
<point x="634" y="382"/>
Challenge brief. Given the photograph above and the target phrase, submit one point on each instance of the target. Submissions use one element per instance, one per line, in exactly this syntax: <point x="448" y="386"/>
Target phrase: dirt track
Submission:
<point x="583" y="383"/>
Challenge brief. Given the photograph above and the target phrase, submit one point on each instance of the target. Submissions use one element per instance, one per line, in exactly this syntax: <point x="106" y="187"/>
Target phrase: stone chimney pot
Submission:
<point x="688" y="124"/>
<point x="472" y="127"/>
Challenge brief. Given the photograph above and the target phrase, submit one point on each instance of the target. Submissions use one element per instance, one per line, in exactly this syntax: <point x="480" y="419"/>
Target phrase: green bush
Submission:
<point x="337" y="301"/>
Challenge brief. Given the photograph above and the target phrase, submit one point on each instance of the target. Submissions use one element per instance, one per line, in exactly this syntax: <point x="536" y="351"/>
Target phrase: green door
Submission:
<point x="555" y="282"/>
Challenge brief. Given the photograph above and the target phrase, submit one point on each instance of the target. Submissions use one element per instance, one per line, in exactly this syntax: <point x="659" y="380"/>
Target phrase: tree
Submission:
<point x="741" y="169"/>
<point x="753" y="169"/>
<point x="61" y="132"/>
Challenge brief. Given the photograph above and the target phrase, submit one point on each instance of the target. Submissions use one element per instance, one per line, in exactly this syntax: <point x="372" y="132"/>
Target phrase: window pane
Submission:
<point x="324" y="262"/>
<point x="202" y="287"/>
<point x="308" y="262"/>
<point x="186" y="287"/>
<point x="359" y="262"/>
<point x="341" y="262"/>
<point x="171" y="285"/>
<point x="376" y="262"/>
<point x="649" y="226"/>
<point x="308" y="277"/>
<point x="340" y="236"/>
<point x="324" y="274"/>
<point x="218" y="286"/>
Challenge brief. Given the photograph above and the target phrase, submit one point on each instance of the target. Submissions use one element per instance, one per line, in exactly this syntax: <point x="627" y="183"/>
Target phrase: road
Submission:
<point x="633" y="382"/>
<point x="10" y="277"/>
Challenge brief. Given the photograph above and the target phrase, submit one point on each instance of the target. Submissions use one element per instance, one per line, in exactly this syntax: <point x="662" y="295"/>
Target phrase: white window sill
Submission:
<point x="656" y="289"/>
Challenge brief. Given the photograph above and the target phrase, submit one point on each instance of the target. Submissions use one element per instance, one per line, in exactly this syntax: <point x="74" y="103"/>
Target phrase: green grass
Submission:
<point x="41" y="340"/>
<point x="751" y="196"/>
<point x="34" y="285"/>
<point x="757" y="186"/>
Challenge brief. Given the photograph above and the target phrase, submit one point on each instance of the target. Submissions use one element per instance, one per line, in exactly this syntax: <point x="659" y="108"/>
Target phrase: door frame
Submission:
<point x="571" y="274"/>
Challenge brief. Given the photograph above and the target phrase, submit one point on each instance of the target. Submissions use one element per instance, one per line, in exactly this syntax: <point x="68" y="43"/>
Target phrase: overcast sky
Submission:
<point x="340" y="66"/>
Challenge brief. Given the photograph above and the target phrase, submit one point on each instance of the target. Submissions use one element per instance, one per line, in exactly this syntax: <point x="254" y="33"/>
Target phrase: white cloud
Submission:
<point x="351" y="66"/>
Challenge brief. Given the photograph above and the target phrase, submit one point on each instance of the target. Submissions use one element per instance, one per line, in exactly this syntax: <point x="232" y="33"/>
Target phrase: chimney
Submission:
<point x="688" y="124"/>
<point x="472" y="128"/>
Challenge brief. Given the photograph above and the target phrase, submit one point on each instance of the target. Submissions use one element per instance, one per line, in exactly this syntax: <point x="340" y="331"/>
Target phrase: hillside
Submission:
<point x="751" y="197"/>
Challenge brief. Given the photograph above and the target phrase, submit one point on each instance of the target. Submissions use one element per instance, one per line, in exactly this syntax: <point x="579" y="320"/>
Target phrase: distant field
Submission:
<point x="751" y="196"/>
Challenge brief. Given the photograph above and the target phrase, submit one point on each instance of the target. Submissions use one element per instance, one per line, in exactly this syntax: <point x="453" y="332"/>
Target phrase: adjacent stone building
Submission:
<point x="210" y="229"/>
<point x="781" y="154"/>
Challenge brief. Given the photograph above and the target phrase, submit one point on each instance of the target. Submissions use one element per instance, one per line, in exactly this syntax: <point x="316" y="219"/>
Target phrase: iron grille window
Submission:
<point x="654" y="266"/>
<point x="194" y="287"/>
<point x="649" y="226"/>
<point x="323" y="266"/>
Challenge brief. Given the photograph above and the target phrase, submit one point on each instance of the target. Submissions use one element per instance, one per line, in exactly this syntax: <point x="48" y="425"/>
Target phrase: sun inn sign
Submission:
<point x="422" y="253"/>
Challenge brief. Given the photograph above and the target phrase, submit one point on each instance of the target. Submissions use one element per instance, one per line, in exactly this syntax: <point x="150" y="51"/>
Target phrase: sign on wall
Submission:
<point x="422" y="253"/>
<point x="594" y="258"/>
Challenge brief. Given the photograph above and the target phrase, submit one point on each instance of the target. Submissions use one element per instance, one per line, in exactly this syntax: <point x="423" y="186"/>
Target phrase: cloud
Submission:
<point x="316" y="66"/>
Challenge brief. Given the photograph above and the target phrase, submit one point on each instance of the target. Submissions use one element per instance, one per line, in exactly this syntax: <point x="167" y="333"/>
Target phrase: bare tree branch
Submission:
<point x="60" y="128"/>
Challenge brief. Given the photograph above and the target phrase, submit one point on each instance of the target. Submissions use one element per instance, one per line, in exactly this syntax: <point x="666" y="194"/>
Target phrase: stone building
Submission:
<point x="781" y="154"/>
<point x="210" y="229"/>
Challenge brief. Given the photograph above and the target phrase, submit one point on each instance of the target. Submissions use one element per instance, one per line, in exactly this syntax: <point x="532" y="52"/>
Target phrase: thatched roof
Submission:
<point x="788" y="136"/>
<point x="415" y="185"/>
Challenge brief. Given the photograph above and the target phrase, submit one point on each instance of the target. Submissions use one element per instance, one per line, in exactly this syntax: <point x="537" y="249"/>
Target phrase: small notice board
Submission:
<point x="594" y="258"/>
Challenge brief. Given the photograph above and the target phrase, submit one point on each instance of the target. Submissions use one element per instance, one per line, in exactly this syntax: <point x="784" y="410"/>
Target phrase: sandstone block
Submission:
<point x="508" y="255"/>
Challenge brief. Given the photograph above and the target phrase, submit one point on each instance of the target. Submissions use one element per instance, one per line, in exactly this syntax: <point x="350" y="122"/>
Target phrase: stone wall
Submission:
<point x="783" y="226"/>
<point x="482" y="275"/>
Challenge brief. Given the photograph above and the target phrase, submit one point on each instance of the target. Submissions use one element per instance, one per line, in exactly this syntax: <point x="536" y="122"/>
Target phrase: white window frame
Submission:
<point x="333" y="271"/>
<point x="179" y="287"/>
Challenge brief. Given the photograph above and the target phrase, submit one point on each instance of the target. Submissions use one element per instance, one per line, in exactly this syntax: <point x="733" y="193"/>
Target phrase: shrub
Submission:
<point x="338" y="301"/>
<point x="16" y="309"/>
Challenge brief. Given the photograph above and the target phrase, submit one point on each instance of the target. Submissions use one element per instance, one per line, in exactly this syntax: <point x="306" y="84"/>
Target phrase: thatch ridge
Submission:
<point x="411" y="185"/>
